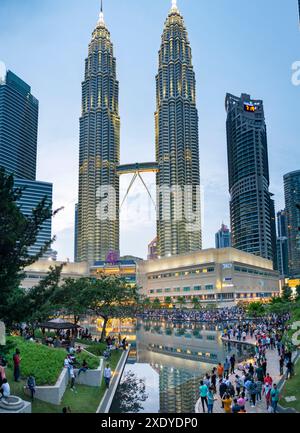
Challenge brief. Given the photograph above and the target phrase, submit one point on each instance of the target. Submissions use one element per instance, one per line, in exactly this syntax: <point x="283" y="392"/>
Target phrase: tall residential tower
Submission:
<point x="251" y="205"/>
<point x="98" y="226"/>
<point x="177" y="147"/>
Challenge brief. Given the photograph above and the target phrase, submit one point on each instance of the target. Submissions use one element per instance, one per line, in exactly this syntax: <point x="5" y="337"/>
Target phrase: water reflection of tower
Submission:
<point x="178" y="390"/>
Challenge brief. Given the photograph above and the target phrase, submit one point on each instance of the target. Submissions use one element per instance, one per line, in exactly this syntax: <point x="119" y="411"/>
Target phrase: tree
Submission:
<point x="146" y="302"/>
<point x="17" y="234"/>
<point x="298" y="292"/>
<point x="109" y="297"/>
<point x="130" y="394"/>
<point x="287" y="294"/>
<point x="156" y="303"/>
<point x="181" y="301"/>
<point x="69" y="297"/>
<point x="196" y="303"/>
<point x="168" y="301"/>
<point x="40" y="300"/>
<point x="256" y="309"/>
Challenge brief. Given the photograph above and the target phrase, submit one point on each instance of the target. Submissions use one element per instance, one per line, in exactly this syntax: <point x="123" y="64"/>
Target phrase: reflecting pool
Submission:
<point x="166" y="364"/>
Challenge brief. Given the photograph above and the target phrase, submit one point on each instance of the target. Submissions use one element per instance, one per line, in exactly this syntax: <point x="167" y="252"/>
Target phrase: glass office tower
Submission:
<point x="252" y="211"/>
<point x="292" y="198"/>
<point x="18" y="127"/>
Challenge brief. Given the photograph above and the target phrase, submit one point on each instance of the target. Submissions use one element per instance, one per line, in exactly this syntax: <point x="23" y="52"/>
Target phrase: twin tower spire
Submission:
<point x="101" y="21"/>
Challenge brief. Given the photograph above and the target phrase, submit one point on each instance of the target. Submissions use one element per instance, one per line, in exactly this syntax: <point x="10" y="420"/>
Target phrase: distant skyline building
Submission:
<point x="282" y="244"/>
<point x="177" y="146"/>
<point x="252" y="210"/>
<point x="19" y="111"/>
<point x="152" y="250"/>
<point x="99" y="153"/>
<point x="292" y="198"/>
<point x="223" y="237"/>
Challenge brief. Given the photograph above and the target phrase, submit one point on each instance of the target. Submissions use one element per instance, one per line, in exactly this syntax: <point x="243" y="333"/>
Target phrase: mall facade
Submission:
<point x="214" y="276"/>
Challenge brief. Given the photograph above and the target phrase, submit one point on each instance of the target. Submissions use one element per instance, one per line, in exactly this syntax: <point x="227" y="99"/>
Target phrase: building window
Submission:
<point x="186" y="289"/>
<point x="197" y="288"/>
<point x="209" y="287"/>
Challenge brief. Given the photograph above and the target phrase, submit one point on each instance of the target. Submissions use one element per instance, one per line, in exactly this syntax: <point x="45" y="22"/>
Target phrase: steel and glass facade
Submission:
<point x="252" y="212"/>
<point x="292" y="198"/>
<point x="99" y="150"/>
<point x="18" y="127"/>
<point x="282" y="244"/>
<point x="33" y="194"/>
<point x="177" y="147"/>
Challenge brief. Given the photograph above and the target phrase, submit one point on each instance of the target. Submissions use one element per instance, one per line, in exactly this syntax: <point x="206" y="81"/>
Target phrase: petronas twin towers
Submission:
<point x="177" y="148"/>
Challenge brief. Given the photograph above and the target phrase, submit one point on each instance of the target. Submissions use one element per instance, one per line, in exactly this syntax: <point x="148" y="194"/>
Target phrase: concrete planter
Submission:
<point x="54" y="394"/>
<point x="91" y="377"/>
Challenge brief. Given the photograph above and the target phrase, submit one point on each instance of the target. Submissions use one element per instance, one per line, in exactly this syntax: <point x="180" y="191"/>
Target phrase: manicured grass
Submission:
<point x="43" y="362"/>
<point x="86" y="400"/>
<point x="292" y="388"/>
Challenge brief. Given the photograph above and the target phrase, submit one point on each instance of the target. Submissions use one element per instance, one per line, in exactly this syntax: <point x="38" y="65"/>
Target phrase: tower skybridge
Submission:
<point x="136" y="169"/>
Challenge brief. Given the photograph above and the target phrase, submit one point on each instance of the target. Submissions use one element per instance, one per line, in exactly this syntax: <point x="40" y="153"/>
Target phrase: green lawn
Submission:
<point x="292" y="388"/>
<point x="86" y="400"/>
<point x="43" y="362"/>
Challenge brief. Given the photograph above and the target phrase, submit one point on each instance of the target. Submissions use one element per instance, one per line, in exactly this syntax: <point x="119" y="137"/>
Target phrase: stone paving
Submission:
<point x="272" y="369"/>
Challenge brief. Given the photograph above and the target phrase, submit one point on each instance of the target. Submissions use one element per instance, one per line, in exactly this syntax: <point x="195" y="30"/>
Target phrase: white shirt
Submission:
<point x="107" y="373"/>
<point x="6" y="389"/>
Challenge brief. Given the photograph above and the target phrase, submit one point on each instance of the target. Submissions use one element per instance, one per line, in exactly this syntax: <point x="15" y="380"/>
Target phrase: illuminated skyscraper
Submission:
<point x="99" y="151"/>
<point x="177" y="147"/>
<point x="251" y="205"/>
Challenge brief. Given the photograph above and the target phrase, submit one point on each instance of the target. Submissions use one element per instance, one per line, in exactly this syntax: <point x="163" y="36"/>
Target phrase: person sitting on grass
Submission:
<point x="83" y="368"/>
<point x="31" y="385"/>
<point x="4" y="390"/>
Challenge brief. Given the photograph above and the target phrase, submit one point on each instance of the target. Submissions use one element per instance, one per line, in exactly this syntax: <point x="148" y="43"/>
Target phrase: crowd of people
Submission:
<point x="212" y="316"/>
<point x="249" y="383"/>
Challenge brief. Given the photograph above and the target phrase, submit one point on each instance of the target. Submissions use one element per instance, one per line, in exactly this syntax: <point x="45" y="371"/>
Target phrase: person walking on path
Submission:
<point x="267" y="392"/>
<point x="17" y="360"/>
<point x="226" y="368"/>
<point x="203" y="395"/>
<point x="281" y="365"/>
<point x="227" y="400"/>
<point x="72" y="376"/>
<point x="259" y="386"/>
<point x="268" y="379"/>
<point x="274" y="398"/>
<point x="107" y="375"/>
<point x="222" y="390"/>
<point x="252" y="391"/>
<point x="220" y="371"/>
<point x="210" y="400"/>
<point x="232" y="363"/>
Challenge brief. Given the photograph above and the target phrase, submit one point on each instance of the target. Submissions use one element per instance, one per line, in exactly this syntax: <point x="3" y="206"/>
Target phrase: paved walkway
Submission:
<point x="272" y="369"/>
